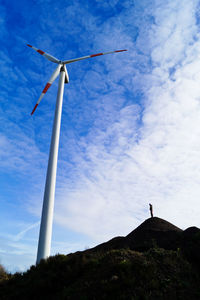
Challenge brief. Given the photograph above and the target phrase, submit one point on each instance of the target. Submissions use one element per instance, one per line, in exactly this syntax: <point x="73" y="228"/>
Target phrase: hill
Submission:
<point x="152" y="232"/>
<point x="157" y="260"/>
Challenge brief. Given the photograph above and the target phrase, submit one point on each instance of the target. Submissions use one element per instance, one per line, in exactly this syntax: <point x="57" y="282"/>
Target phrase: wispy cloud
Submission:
<point x="21" y="234"/>
<point x="148" y="154"/>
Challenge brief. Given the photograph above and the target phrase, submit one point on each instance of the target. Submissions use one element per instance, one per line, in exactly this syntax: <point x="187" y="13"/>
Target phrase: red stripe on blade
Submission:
<point x="40" y="51"/>
<point x="93" y="55"/>
<point x="120" y="50"/>
<point x="46" y="88"/>
<point x="29" y="45"/>
<point x="34" y="109"/>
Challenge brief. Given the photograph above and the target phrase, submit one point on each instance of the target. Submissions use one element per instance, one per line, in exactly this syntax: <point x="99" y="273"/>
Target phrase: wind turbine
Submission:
<point x="44" y="243"/>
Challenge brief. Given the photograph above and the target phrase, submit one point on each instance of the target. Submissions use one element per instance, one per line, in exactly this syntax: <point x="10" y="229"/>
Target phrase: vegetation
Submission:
<point x="116" y="270"/>
<point x="115" y="274"/>
<point x="3" y="274"/>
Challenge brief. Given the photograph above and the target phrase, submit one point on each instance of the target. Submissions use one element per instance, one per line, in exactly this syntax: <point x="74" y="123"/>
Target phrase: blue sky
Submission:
<point x="130" y="130"/>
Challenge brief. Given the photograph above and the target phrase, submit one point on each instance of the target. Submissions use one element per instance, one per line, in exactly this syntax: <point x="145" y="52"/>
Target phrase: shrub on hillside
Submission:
<point x="3" y="274"/>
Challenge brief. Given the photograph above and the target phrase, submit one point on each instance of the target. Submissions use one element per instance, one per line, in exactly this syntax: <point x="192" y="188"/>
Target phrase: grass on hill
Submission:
<point x="115" y="274"/>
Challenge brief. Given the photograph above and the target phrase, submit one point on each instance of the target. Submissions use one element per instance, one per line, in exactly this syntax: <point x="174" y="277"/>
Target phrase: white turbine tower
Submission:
<point x="44" y="243"/>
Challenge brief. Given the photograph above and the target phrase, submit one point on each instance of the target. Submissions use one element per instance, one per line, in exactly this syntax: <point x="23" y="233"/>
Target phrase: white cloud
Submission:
<point x="21" y="234"/>
<point x="148" y="156"/>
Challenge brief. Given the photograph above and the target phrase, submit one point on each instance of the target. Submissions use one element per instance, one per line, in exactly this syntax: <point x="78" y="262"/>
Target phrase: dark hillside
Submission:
<point x="152" y="232"/>
<point x="155" y="224"/>
<point x="155" y="232"/>
<point x="114" y="270"/>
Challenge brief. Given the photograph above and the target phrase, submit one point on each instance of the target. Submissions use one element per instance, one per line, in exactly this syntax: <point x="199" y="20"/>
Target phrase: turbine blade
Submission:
<point x="46" y="55"/>
<point x="47" y="86"/>
<point x="88" y="56"/>
<point x="66" y="75"/>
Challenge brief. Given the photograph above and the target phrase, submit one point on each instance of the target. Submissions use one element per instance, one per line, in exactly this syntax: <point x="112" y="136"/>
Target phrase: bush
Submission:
<point x="3" y="274"/>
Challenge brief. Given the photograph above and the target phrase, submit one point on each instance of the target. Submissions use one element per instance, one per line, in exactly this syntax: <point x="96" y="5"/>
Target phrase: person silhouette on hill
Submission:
<point x="151" y="209"/>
